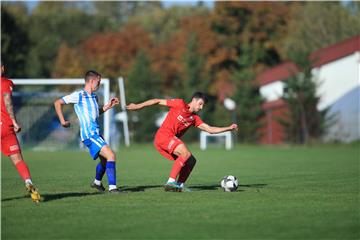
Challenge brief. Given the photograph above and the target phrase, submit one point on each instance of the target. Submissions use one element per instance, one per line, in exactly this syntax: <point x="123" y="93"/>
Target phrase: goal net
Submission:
<point x="33" y="104"/>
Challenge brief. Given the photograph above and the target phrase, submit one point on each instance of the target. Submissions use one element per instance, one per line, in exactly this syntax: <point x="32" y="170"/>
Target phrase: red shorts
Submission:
<point x="166" y="145"/>
<point x="9" y="142"/>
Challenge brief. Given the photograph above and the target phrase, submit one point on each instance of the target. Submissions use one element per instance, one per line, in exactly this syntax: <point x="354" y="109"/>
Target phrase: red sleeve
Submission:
<point x="175" y="103"/>
<point x="6" y="86"/>
<point x="198" y="121"/>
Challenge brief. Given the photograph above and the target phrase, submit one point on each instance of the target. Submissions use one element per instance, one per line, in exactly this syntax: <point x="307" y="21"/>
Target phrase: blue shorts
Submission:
<point x="94" y="144"/>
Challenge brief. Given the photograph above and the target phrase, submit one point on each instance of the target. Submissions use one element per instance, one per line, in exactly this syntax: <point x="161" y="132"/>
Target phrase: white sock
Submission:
<point x="171" y="180"/>
<point x="111" y="187"/>
<point x="181" y="185"/>
<point x="28" y="181"/>
<point x="97" y="182"/>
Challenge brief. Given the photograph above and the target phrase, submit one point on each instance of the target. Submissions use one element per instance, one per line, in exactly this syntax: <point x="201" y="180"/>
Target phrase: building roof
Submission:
<point x="320" y="57"/>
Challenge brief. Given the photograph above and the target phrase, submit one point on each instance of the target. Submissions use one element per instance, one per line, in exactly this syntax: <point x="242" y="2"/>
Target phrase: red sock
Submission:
<point x="23" y="170"/>
<point x="186" y="170"/>
<point x="178" y="164"/>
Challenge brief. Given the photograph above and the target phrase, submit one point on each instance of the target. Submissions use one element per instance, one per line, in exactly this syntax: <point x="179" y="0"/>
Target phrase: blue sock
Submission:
<point x="100" y="171"/>
<point x="111" y="172"/>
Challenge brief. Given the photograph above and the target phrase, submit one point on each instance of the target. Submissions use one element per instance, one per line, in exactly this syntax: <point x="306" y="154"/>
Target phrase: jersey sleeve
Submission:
<point x="198" y="121"/>
<point x="7" y="86"/>
<point x="71" y="98"/>
<point x="175" y="103"/>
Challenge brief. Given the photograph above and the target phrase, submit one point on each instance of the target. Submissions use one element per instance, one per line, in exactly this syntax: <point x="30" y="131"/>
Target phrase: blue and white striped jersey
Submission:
<point x="87" y="109"/>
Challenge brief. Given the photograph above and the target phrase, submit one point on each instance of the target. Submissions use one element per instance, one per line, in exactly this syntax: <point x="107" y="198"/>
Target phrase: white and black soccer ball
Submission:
<point x="229" y="183"/>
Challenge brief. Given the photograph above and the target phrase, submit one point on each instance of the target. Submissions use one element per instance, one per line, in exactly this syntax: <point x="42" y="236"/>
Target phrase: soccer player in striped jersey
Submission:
<point x="87" y="109"/>
<point x="167" y="141"/>
<point x="9" y="142"/>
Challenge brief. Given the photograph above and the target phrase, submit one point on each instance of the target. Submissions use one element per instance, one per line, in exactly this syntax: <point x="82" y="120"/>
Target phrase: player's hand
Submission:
<point x="113" y="101"/>
<point x="17" y="127"/>
<point x="234" y="127"/>
<point x="133" y="106"/>
<point x="65" y="124"/>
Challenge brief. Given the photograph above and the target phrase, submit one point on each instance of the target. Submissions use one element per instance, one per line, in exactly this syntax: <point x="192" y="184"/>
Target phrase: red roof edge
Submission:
<point x="336" y="51"/>
<point x="320" y="57"/>
<point x="276" y="73"/>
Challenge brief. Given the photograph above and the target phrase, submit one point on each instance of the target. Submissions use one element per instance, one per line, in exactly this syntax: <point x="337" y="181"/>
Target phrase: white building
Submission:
<point x="337" y="70"/>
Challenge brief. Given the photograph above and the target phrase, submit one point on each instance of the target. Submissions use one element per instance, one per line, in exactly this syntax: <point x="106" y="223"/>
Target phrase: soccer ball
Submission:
<point x="229" y="183"/>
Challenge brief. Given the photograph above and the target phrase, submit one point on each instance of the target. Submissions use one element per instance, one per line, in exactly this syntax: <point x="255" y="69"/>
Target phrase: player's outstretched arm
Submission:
<point x="113" y="101"/>
<point x="58" y="108"/>
<point x="212" y="130"/>
<point x="134" y="106"/>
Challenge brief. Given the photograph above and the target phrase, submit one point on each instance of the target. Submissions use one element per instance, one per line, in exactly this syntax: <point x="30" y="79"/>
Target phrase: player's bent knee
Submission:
<point x="112" y="157"/>
<point x="16" y="158"/>
<point x="186" y="155"/>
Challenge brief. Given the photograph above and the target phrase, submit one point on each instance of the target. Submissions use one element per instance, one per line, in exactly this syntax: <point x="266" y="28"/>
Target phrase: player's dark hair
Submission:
<point x="200" y="95"/>
<point x="91" y="74"/>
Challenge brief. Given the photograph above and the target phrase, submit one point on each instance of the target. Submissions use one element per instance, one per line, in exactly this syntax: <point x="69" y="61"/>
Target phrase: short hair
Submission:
<point x="91" y="74"/>
<point x="200" y="95"/>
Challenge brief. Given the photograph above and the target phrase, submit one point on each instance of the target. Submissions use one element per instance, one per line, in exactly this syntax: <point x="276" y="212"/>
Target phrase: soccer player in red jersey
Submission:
<point x="181" y="116"/>
<point x="9" y="127"/>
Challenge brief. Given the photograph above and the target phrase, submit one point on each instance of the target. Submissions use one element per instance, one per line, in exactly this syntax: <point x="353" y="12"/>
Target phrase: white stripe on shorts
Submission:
<point x="94" y="141"/>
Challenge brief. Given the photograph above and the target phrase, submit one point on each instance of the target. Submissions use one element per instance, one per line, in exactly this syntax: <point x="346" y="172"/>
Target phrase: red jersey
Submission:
<point x="6" y="87"/>
<point x="179" y="119"/>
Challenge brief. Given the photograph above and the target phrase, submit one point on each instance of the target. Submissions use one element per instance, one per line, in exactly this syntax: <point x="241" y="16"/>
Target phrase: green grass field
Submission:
<point x="284" y="193"/>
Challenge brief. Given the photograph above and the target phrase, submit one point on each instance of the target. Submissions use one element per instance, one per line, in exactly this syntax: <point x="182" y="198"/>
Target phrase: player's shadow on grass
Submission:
<point x="216" y="187"/>
<point x="256" y="185"/>
<point x="195" y="187"/>
<point x="55" y="196"/>
<point x="138" y="188"/>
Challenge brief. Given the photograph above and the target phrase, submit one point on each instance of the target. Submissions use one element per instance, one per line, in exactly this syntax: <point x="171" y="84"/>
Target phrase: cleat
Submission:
<point x="116" y="190"/>
<point x="34" y="194"/>
<point x="100" y="187"/>
<point x="171" y="187"/>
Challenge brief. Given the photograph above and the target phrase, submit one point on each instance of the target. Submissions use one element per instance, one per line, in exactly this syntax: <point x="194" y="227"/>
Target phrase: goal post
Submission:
<point x="204" y="139"/>
<point x="34" y="100"/>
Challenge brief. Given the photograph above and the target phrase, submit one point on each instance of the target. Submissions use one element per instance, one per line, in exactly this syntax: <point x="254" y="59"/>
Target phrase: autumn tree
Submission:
<point x="111" y="53"/>
<point x="259" y="25"/>
<point x="69" y="63"/>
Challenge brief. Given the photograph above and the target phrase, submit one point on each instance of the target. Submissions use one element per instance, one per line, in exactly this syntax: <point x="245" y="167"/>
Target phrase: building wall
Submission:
<point x="337" y="78"/>
<point x="272" y="131"/>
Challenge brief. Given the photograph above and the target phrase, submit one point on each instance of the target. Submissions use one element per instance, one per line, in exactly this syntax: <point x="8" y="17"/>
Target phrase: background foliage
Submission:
<point x="183" y="49"/>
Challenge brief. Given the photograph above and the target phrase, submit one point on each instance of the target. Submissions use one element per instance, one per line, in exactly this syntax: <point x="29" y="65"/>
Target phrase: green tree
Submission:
<point x="14" y="44"/>
<point x="50" y="25"/>
<point x="119" y="13"/>
<point x="247" y="97"/>
<point x="193" y="77"/>
<point x="319" y="24"/>
<point x="142" y="84"/>
<point x="303" y="122"/>
<point x="162" y="23"/>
